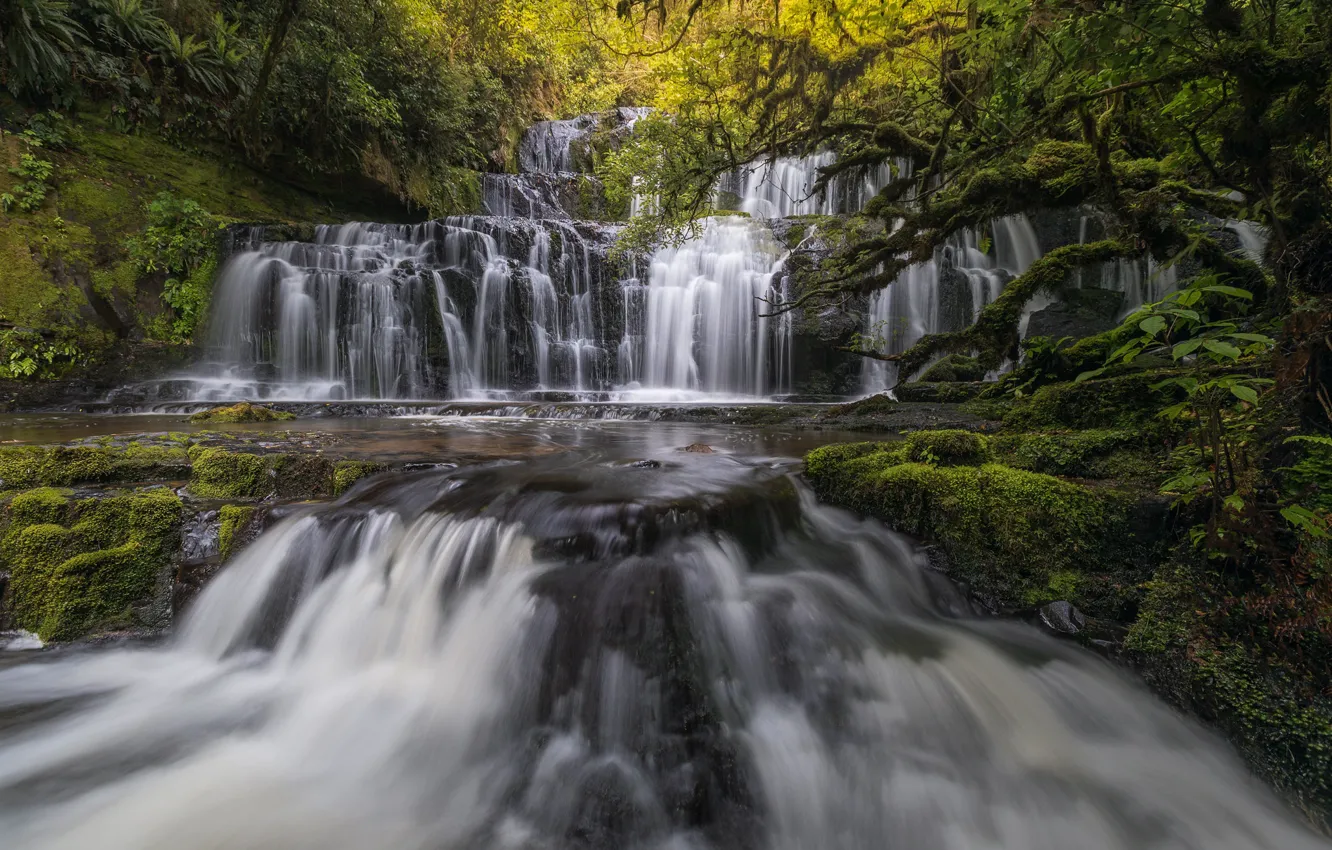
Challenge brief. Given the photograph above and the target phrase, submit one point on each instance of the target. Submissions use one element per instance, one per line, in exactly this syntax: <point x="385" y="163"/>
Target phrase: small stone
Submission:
<point x="647" y="464"/>
<point x="699" y="448"/>
<point x="1062" y="617"/>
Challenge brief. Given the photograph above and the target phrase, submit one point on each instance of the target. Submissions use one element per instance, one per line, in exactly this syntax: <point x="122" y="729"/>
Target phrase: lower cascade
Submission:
<point x="582" y="652"/>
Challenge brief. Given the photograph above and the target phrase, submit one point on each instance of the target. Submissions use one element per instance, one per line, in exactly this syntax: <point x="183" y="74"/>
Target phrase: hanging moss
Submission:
<point x="79" y="565"/>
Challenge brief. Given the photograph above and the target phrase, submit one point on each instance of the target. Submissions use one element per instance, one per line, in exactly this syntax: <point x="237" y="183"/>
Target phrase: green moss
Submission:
<point x="222" y="474"/>
<point x="1271" y="704"/>
<point x="947" y="447"/>
<point x="45" y="505"/>
<point x="81" y="565"/>
<point x="242" y="412"/>
<point x="32" y="466"/>
<point x="1125" y="402"/>
<point x="302" y="476"/>
<point x="955" y="367"/>
<point x="348" y="472"/>
<point x="1095" y="453"/>
<point x="150" y="463"/>
<point x="1014" y="535"/>
<point x="234" y="520"/>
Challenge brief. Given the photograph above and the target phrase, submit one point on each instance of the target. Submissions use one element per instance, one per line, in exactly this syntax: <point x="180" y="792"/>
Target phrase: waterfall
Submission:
<point x="705" y="327"/>
<point x="1143" y="281"/>
<point x="946" y="293"/>
<point x="554" y="655"/>
<point x="464" y="306"/>
<point x="784" y="187"/>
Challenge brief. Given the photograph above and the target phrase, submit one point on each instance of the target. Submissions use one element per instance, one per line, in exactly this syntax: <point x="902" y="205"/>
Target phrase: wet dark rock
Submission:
<point x="1062" y="618"/>
<point x="956" y="306"/>
<point x="646" y="464"/>
<point x="1081" y="313"/>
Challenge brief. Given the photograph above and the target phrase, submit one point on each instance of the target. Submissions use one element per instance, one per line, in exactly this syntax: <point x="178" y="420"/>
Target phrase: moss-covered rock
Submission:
<point x="233" y="524"/>
<point x="219" y="473"/>
<point x="61" y="466"/>
<point x="950" y="447"/>
<point x="1096" y="453"/>
<point x="347" y="472"/>
<point x="1018" y="537"/>
<point x="242" y="412"/>
<point x="1124" y="402"/>
<point x="79" y="565"/>
<point x="954" y="367"/>
<point x="1273" y="705"/>
<point x="302" y="476"/>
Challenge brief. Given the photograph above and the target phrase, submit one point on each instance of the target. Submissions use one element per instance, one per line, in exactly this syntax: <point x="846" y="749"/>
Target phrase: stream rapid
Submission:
<point x="616" y="644"/>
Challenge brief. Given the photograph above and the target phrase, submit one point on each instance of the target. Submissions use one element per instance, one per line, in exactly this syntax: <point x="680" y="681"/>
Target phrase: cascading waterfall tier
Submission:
<point x="577" y="654"/>
<point x="946" y="293"/>
<point x="524" y="300"/>
<point x="710" y="319"/>
<point x="450" y="307"/>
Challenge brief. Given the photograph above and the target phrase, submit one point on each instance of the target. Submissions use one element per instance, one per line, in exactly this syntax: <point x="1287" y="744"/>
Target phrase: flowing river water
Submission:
<point x="593" y="639"/>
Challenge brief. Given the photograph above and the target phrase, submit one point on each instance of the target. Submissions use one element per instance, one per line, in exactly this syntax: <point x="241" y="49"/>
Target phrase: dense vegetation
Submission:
<point x="1165" y="119"/>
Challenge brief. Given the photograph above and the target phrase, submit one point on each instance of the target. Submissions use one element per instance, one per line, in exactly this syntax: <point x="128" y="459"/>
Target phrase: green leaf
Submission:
<point x="1244" y="393"/>
<point x="1265" y="340"/>
<point x="1234" y="291"/>
<point x="1185" y="314"/>
<point x="1152" y="325"/>
<point x="1185" y="348"/>
<point x="1086" y="376"/>
<point x="1223" y="349"/>
<point x="1305" y="520"/>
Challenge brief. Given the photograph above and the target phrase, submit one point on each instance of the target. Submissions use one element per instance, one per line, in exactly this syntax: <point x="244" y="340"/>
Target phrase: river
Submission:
<point x="586" y="637"/>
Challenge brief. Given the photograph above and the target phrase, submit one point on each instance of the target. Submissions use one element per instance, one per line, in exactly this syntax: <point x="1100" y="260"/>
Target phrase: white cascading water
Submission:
<point x="552" y="656"/>
<point x="946" y="293"/>
<point x="706" y="326"/>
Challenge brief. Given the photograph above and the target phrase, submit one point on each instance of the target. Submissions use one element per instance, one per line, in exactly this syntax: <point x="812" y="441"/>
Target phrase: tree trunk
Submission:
<point x="250" y="126"/>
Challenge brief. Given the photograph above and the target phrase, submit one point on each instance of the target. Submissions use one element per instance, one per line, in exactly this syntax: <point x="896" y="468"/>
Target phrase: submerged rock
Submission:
<point x="699" y="449"/>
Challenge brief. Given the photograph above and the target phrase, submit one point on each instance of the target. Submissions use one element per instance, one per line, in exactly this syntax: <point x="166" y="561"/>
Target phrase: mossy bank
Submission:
<point x="107" y="537"/>
<point x="1041" y="511"/>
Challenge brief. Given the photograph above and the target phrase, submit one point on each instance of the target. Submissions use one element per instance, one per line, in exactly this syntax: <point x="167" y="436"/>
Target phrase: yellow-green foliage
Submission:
<point x="243" y="412"/>
<point x="1021" y="537"/>
<point x="233" y="521"/>
<point x="348" y="472"/>
<point x="221" y="474"/>
<point x="79" y="565"/>
<point x="101" y="185"/>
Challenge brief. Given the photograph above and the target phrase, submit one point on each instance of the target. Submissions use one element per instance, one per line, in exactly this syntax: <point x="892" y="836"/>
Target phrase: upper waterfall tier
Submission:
<point x="551" y="147"/>
<point x="529" y="298"/>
